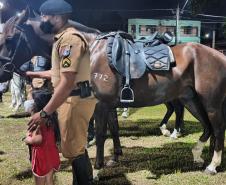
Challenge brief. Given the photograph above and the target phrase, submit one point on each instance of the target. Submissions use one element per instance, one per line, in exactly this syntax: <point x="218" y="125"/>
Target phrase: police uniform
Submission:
<point x="71" y="54"/>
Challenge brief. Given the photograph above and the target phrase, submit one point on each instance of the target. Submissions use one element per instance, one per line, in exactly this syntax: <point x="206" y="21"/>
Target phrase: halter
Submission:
<point x="9" y="67"/>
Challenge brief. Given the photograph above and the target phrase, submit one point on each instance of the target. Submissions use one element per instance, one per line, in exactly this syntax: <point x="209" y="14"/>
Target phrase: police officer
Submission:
<point x="70" y="75"/>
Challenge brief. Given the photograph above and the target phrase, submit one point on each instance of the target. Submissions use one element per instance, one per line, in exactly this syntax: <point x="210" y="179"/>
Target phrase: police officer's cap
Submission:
<point x="55" y="7"/>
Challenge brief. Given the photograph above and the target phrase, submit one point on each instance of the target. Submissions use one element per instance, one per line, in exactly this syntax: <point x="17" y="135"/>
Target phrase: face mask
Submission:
<point x="46" y="27"/>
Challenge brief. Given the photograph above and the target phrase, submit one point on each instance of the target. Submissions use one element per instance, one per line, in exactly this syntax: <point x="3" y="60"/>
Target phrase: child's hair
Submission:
<point x="41" y="98"/>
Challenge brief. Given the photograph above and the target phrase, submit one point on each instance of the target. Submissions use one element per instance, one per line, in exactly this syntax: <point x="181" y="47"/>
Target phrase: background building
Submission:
<point x="189" y="30"/>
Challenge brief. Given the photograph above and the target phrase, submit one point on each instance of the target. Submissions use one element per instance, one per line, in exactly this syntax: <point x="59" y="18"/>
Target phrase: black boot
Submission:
<point x="82" y="170"/>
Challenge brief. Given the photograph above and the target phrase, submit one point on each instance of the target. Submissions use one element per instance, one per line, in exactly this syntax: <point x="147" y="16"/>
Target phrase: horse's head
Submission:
<point x="18" y="44"/>
<point x="12" y="45"/>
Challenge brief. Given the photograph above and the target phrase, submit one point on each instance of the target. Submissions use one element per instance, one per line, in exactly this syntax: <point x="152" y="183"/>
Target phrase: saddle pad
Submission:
<point x="158" y="57"/>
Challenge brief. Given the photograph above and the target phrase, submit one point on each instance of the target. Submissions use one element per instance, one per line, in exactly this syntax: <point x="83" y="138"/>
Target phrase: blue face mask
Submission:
<point x="46" y="27"/>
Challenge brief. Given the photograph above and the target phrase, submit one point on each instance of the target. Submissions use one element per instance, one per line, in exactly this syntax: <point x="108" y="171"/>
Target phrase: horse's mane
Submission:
<point x="83" y="28"/>
<point x="8" y="25"/>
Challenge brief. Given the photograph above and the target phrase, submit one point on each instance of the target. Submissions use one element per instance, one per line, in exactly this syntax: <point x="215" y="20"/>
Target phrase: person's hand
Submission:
<point x="35" y="121"/>
<point x="28" y="73"/>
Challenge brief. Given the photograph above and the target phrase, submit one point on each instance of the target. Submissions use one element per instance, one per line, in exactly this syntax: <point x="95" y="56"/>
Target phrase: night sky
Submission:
<point x="108" y="15"/>
<point x="218" y="7"/>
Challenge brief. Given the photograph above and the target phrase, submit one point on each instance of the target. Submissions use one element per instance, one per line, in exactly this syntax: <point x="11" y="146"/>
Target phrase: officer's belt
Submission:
<point x="76" y="92"/>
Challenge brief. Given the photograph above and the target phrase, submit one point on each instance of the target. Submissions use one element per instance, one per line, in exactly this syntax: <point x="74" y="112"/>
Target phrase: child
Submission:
<point x="45" y="156"/>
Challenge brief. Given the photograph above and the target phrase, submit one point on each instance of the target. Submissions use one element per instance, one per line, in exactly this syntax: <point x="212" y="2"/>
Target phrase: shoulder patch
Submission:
<point x="65" y="51"/>
<point x="66" y="63"/>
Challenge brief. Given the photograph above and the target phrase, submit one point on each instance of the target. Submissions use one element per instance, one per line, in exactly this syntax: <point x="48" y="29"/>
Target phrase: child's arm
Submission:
<point x="34" y="137"/>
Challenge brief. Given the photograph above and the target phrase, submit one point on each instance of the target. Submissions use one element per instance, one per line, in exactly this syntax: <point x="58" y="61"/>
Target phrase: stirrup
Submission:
<point x="127" y="95"/>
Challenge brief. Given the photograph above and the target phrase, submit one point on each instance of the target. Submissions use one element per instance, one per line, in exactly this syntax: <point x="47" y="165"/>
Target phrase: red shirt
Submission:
<point x="45" y="156"/>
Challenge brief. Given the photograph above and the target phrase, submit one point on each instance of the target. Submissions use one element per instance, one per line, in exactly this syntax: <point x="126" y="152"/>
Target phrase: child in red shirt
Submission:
<point x="45" y="156"/>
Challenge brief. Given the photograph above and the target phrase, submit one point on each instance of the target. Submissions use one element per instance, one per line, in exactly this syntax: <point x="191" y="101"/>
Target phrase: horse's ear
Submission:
<point x="35" y="13"/>
<point x="24" y="16"/>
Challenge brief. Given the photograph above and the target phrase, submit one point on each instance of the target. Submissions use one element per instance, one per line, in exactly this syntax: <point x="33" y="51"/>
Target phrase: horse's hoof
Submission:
<point x="125" y="115"/>
<point x="165" y="131"/>
<point x="210" y="172"/>
<point x="111" y="163"/>
<point x="96" y="175"/>
<point x="175" y="134"/>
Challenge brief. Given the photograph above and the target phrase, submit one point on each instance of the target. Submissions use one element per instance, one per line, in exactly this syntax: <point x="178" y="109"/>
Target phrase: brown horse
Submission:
<point x="198" y="80"/>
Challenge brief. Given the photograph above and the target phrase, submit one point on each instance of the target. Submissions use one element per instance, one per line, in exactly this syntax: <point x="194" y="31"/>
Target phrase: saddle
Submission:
<point x="132" y="59"/>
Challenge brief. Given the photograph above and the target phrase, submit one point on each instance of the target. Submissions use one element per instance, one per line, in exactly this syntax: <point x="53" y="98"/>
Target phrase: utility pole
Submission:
<point x="178" y="12"/>
<point x="214" y="38"/>
<point x="177" y="24"/>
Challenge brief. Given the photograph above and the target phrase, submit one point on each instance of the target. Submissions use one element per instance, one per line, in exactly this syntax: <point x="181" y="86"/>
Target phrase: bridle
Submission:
<point x="9" y="67"/>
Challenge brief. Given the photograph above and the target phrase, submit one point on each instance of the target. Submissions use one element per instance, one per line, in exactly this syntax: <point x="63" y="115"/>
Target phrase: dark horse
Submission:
<point x="198" y="80"/>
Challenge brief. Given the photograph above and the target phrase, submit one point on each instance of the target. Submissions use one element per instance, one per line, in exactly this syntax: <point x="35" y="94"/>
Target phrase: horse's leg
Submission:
<point x="217" y="119"/>
<point x="194" y="105"/>
<point x="91" y="133"/>
<point x="179" y="111"/>
<point x="100" y="116"/>
<point x="170" y="110"/>
<point x="114" y="130"/>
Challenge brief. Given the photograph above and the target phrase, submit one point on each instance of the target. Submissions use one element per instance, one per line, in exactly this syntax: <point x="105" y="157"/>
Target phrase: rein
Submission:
<point x="9" y="67"/>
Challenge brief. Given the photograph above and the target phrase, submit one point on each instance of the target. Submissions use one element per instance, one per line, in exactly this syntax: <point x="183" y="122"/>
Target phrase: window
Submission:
<point x="147" y="30"/>
<point x="189" y="31"/>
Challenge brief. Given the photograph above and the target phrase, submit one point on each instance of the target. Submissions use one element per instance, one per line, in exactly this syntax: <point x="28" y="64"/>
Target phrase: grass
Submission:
<point x="148" y="158"/>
